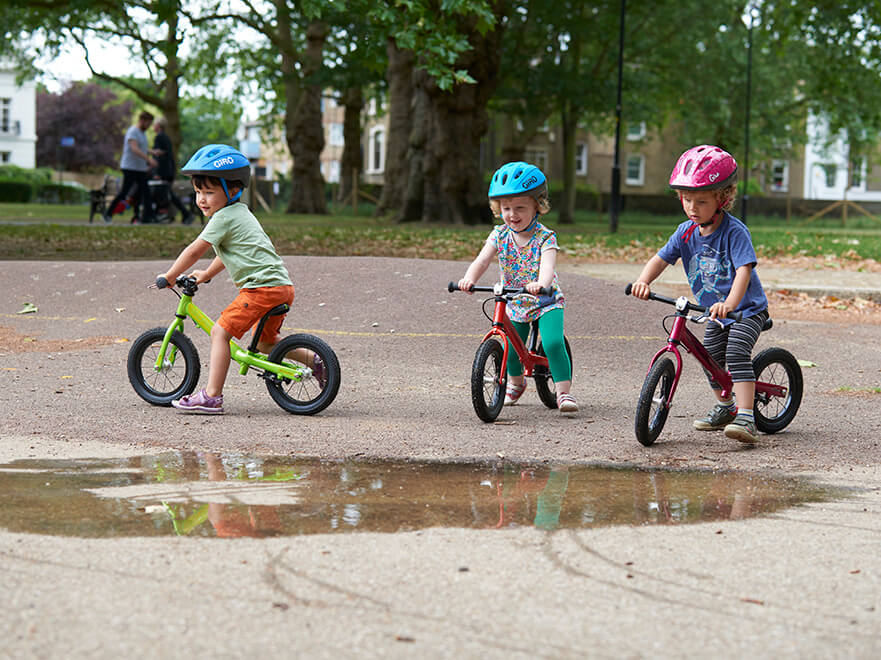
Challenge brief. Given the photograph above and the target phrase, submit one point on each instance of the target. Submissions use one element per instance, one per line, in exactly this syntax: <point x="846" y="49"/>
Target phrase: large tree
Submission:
<point x="152" y="31"/>
<point x="93" y="116"/>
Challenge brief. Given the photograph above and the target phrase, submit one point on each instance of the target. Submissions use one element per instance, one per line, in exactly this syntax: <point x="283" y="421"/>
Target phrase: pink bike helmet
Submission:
<point x="704" y="168"/>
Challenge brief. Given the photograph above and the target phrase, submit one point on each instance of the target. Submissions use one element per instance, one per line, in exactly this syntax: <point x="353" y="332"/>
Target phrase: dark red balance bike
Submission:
<point x="779" y="382"/>
<point x="489" y="373"/>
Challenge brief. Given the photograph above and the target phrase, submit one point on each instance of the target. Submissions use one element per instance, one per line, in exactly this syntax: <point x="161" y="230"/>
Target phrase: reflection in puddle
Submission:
<point x="234" y="495"/>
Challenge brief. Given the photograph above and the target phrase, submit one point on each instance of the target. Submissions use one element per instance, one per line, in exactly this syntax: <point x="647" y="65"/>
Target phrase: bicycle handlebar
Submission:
<point x="544" y="291"/>
<point x="689" y="306"/>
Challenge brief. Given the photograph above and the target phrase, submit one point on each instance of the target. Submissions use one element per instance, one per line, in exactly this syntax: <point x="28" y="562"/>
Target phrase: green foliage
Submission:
<point x="15" y="191"/>
<point x="207" y="120"/>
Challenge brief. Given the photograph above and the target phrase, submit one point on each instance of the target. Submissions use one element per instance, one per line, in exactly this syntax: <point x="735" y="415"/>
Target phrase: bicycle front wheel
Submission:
<point x="319" y="375"/>
<point x="776" y="366"/>
<point x="654" y="401"/>
<point x="176" y="377"/>
<point x="488" y="380"/>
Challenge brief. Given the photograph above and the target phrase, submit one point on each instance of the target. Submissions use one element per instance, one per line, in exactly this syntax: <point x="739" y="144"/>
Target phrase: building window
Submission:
<point x="376" y="156"/>
<point x="635" y="175"/>
<point x="636" y="131"/>
<point x="581" y="159"/>
<point x="5" y="156"/>
<point x="830" y="172"/>
<point x="5" y="117"/>
<point x="857" y="173"/>
<point x="539" y="158"/>
<point x="335" y="135"/>
<point x="780" y="176"/>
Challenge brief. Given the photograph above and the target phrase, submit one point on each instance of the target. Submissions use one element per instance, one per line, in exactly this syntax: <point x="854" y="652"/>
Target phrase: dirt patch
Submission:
<point x="13" y="342"/>
<point x="826" y="309"/>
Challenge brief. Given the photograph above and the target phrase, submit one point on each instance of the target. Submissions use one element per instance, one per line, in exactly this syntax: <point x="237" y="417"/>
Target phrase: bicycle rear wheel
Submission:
<point x="544" y="384"/>
<point x="319" y="382"/>
<point x="178" y="374"/>
<point x="776" y="366"/>
<point x="654" y="401"/>
<point x="489" y="378"/>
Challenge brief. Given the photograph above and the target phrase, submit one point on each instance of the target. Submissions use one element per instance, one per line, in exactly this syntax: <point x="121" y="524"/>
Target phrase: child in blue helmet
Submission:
<point x="527" y="254"/>
<point x="220" y="174"/>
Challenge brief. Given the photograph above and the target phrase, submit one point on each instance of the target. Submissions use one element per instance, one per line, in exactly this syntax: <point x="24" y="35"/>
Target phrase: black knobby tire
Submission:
<point x="313" y="393"/>
<point x="777" y="366"/>
<point x="654" y="401"/>
<point x="487" y="382"/>
<point x="544" y="384"/>
<point x="177" y="377"/>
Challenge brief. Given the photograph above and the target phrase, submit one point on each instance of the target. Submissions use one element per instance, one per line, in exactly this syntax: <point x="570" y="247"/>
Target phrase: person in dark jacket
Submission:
<point x="166" y="167"/>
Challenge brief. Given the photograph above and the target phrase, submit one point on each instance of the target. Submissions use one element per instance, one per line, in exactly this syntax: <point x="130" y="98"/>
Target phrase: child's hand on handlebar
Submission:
<point x="200" y="276"/>
<point x="534" y="288"/>
<point x="640" y="290"/>
<point x="719" y="310"/>
<point x="465" y="285"/>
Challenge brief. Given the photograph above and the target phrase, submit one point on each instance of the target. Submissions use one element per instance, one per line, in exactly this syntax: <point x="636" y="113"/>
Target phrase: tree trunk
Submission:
<point x="353" y="102"/>
<point x="304" y="131"/>
<point x="569" y="122"/>
<point x="514" y="139"/>
<point x="455" y="121"/>
<point x="399" y="76"/>
<point x="414" y="195"/>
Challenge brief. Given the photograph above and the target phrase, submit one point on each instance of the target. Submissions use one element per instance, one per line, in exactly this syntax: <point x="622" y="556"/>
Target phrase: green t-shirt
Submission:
<point x="244" y="248"/>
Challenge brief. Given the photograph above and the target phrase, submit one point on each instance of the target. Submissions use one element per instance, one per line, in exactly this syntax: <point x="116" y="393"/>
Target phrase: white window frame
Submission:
<point x="538" y="157"/>
<point x="639" y="180"/>
<point x="636" y="132"/>
<point x="784" y="175"/>
<point x="372" y="154"/>
<point x="335" y="137"/>
<point x="581" y="158"/>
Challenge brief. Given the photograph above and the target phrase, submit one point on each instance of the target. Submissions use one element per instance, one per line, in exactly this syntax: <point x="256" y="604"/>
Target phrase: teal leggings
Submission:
<point x="550" y="327"/>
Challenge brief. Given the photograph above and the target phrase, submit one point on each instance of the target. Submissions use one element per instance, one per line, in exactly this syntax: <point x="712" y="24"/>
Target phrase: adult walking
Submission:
<point x="135" y="162"/>
<point x="166" y="167"/>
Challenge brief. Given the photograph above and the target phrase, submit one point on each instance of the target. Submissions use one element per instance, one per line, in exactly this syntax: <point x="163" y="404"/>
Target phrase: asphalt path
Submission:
<point x="803" y="583"/>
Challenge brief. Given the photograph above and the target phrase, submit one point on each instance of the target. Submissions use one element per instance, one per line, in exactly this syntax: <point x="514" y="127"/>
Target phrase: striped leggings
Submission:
<point x="733" y="345"/>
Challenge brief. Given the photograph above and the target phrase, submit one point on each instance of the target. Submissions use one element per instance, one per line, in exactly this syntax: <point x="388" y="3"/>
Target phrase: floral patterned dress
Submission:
<point x="520" y="265"/>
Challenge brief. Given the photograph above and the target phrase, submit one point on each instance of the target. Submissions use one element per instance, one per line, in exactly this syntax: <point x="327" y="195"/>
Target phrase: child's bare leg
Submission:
<point x="563" y="387"/>
<point x="745" y="394"/>
<point x="219" y="361"/>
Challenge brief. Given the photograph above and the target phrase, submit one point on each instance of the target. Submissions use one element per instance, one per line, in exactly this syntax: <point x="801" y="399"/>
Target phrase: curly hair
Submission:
<point x="541" y="201"/>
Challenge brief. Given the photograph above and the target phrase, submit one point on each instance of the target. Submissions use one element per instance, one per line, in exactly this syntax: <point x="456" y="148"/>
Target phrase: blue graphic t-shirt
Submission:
<point x="710" y="263"/>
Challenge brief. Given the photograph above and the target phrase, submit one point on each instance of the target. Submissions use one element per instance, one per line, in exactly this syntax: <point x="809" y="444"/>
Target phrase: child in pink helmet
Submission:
<point x="719" y="259"/>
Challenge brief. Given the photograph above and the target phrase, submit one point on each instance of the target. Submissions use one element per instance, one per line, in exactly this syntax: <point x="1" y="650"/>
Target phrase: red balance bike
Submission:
<point x="779" y="382"/>
<point x="489" y="373"/>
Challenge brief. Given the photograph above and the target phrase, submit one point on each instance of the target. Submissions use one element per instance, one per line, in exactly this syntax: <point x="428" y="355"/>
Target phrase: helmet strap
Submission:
<point x="530" y="227"/>
<point x="234" y="198"/>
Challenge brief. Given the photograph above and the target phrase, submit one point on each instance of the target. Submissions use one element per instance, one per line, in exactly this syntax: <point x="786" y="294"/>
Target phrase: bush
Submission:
<point x="15" y="173"/>
<point x="15" y="191"/>
<point x="61" y="193"/>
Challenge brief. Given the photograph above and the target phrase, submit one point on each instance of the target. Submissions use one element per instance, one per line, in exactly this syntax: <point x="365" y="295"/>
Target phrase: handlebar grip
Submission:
<point x="161" y="282"/>
<point x="546" y="291"/>
<point x="452" y="286"/>
<point x="628" y="289"/>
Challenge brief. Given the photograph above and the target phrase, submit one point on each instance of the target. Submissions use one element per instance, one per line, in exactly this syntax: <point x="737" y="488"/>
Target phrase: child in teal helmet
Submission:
<point x="527" y="254"/>
<point x="220" y="174"/>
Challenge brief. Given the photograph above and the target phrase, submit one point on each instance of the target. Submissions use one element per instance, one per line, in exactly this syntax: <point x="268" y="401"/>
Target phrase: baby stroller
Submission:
<point x="160" y="194"/>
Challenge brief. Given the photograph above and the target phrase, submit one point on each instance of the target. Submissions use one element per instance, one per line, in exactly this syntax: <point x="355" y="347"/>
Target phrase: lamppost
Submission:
<point x="614" y="202"/>
<point x="744" y="199"/>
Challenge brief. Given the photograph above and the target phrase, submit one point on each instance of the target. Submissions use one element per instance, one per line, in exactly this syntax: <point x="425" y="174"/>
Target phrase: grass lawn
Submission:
<point x="46" y="231"/>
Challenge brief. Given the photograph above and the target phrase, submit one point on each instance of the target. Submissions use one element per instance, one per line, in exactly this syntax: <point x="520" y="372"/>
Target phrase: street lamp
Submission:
<point x="614" y="202"/>
<point x="748" y="20"/>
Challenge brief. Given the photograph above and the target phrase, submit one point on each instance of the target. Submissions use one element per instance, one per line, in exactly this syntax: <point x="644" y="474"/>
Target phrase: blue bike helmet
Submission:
<point x="222" y="162"/>
<point x="518" y="178"/>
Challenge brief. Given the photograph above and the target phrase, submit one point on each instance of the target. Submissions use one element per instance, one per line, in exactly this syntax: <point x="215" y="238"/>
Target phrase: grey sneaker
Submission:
<point x="743" y="430"/>
<point x="715" y="420"/>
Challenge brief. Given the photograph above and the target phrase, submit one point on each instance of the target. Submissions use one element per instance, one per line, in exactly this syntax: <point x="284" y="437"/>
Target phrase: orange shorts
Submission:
<point x="250" y="305"/>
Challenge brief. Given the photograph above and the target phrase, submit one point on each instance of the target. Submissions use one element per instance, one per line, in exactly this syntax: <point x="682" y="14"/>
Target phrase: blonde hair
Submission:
<point x="725" y="196"/>
<point x="542" y="203"/>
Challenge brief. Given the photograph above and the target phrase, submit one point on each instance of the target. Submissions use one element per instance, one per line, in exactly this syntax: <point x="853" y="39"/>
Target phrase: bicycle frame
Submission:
<point x="505" y="331"/>
<point x="186" y="308"/>
<point x="680" y="335"/>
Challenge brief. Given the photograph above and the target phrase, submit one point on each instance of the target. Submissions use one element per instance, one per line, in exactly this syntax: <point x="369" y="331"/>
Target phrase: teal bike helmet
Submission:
<point x="222" y="162"/>
<point x="518" y="178"/>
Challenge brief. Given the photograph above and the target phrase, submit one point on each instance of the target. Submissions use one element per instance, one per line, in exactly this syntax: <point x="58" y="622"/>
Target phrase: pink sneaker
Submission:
<point x="200" y="402"/>
<point x="513" y="392"/>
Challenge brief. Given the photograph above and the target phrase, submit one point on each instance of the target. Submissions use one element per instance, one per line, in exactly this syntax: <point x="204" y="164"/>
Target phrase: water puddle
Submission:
<point x="230" y="495"/>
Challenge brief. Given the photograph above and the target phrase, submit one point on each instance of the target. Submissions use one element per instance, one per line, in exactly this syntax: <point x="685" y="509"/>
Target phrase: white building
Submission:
<point x="18" y="120"/>
<point x="829" y="172"/>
